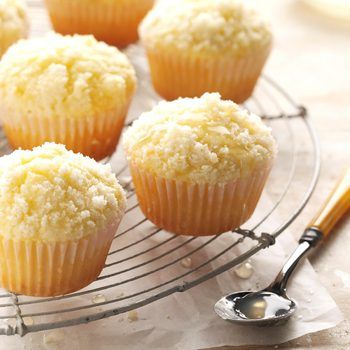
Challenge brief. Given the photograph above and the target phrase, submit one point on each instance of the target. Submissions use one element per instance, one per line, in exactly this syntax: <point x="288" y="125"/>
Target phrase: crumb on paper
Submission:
<point x="186" y="263"/>
<point x="98" y="298"/>
<point x="133" y="316"/>
<point x="53" y="337"/>
<point x="244" y="270"/>
<point x="28" y="321"/>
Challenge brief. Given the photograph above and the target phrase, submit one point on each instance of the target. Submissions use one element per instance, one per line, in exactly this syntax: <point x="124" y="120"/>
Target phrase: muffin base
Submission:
<point x="114" y="22"/>
<point x="53" y="268"/>
<point x="95" y="136"/>
<point x="179" y="74"/>
<point x="198" y="209"/>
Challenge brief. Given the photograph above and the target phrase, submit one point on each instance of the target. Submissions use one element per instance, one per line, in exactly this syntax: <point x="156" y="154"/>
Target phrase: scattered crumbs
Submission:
<point x="133" y="316"/>
<point x="311" y="292"/>
<point x="53" y="337"/>
<point x="28" y="321"/>
<point x="308" y="300"/>
<point x="186" y="263"/>
<point x="244" y="270"/>
<point x="168" y="317"/>
<point x="98" y="298"/>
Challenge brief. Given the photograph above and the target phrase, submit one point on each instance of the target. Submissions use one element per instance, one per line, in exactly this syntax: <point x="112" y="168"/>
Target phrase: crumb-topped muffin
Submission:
<point x="199" y="165"/>
<point x="197" y="46"/>
<point x="60" y="211"/>
<point x="14" y="23"/>
<point x="66" y="89"/>
<point x="112" y="21"/>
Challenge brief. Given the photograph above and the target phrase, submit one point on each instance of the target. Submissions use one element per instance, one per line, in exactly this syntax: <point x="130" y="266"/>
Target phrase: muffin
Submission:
<point x="59" y="213"/>
<point x="13" y="23"/>
<point x="198" y="46"/>
<point x="112" y="21"/>
<point x="199" y="165"/>
<point x="72" y="90"/>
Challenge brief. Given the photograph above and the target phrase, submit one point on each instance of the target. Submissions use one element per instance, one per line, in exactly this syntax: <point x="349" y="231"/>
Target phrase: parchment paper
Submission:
<point x="187" y="320"/>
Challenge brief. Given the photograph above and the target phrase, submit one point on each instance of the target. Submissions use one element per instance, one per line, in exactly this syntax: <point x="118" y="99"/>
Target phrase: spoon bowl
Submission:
<point x="271" y="306"/>
<point x="264" y="308"/>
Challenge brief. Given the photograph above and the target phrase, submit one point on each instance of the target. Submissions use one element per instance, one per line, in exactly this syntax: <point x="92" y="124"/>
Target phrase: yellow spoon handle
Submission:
<point x="335" y="206"/>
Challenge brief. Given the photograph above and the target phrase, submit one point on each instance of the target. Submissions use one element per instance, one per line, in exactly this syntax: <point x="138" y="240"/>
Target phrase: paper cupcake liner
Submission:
<point x="53" y="268"/>
<point x="114" y="22"/>
<point x="198" y="209"/>
<point x="184" y="75"/>
<point x="95" y="136"/>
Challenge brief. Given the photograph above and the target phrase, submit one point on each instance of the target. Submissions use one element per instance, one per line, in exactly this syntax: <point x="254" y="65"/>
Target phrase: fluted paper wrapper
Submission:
<point x="180" y="74"/>
<point x="53" y="268"/>
<point x="114" y="22"/>
<point x="198" y="209"/>
<point x="95" y="136"/>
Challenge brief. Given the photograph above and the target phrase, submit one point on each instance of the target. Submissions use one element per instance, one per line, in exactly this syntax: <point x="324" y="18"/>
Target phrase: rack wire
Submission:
<point x="140" y="250"/>
<point x="145" y="263"/>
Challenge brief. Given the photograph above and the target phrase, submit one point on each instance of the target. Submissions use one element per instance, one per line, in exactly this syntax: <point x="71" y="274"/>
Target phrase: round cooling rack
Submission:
<point x="145" y="263"/>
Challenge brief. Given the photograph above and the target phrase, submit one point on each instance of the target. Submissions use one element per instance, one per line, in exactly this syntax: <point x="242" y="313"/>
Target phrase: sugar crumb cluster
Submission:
<point x="52" y="194"/>
<point x="202" y="140"/>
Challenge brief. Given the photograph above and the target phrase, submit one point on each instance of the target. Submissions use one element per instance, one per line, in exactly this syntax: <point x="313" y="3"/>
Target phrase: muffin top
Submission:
<point x="205" y="27"/>
<point x="13" y="19"/>
<point x="201" y="140"/>
<point x="51" y="194"/>
<point x="64" y="76"/>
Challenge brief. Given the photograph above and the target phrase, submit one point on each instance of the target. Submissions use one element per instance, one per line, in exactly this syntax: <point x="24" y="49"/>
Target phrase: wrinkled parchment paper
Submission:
<point x="187" y="320"/>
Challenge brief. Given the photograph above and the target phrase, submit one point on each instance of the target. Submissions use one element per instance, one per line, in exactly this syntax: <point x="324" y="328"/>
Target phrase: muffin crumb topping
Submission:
<point x="205" y="26"/>
<point x="202" y="140"/>
<point x="52" y="194"/>
<point x="66" y="76"/>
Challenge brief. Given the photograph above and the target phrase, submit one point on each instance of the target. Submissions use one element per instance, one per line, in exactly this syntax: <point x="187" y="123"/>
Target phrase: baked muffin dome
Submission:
<point x="54" y="195"/>
<point x="200" y="140"/>
<point x="71" y="90"/>
<point x="205" y="27"/>
<point x="198" y="46"/>
<point x="13" y="22"/>
<point x="57" y="75"/>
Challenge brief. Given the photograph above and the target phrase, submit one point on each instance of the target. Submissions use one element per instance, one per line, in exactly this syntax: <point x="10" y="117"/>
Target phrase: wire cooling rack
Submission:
<point x="145" y="263"/>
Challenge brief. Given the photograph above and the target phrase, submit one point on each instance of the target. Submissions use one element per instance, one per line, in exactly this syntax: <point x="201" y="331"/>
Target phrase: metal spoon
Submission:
<point x="271" y="305"/>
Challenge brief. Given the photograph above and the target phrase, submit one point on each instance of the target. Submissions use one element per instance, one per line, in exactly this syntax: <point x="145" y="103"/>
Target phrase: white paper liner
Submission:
<point x="182" y="74"/>
<point x="198" y="209"/>
<point x="115" y="22"/>
<point x="95" y="136"/>
<point x="53" y="268"/>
